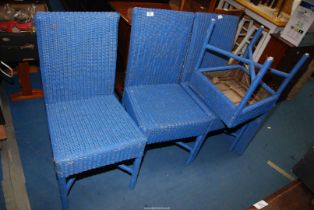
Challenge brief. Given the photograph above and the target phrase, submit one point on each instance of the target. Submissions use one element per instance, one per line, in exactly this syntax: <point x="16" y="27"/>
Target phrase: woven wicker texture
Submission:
<point x="158" y="45"/>
<point x="165" y="112"/>
<point x="78" y="54"/>
<point x="88" y="126"/>
<point x="222" y="37"/>
<point x="153" y="96"/>
<point x="86" y="134"/>
<point x="216" y="123"/>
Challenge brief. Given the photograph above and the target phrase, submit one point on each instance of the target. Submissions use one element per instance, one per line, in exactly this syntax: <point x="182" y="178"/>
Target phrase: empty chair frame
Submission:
<point x="241" y="135"/>
<point x="88" y="126"/>
<point x="237" y="92"/>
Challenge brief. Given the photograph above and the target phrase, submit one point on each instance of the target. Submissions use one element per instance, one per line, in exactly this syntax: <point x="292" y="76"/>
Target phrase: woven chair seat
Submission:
<point x="166" y="112"/>
<point x="90" y="133"/>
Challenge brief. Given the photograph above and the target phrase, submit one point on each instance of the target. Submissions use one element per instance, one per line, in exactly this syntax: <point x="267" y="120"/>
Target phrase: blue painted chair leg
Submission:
<point x="235" y="136"/>
<point x="63" y="192"/>
<point x="246" y="137"/>
<point x="195" y="149"/>
<point x="136" y="167"/>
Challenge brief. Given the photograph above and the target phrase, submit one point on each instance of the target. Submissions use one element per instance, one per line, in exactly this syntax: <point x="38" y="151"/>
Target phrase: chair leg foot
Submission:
<point x="63" y="192"/>
<point x="136" y="168"/>
<point x="195" y="149"/>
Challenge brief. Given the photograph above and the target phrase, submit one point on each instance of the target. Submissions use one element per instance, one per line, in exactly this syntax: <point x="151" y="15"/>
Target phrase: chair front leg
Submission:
<point x="136" y="167"/>
<point x="247" y="133"/>
<point x="196" y="148"/>
<point x="63" y="192"/>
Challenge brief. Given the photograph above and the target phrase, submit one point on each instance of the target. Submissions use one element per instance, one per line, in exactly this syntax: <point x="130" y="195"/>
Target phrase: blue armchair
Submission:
<point x="88" y="126"/>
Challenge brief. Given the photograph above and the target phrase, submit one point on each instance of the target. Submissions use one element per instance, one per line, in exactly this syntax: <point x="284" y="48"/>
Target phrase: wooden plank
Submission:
<point x="280" y="170"/>
<point x="27" y="91"/>
<point x="3" y="133"/>
<point x="125" y="8"/>
<point x="266" y="12"/>
<point x="292" y="196"/>
<point x="13" y="183"/>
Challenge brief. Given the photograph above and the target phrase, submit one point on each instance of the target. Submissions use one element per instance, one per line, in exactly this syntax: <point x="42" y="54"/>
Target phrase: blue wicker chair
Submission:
<point x="248" y="114"/>
<point x="240" y="136"/>
<point x="216" y="85"/>
<point x="155" y="93"/>
<point x="88" y="126"/>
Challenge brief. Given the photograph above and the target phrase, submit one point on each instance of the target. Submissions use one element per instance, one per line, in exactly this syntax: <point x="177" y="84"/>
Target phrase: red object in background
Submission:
<point x="9" y="25"/>
<point x="27" y="92"/>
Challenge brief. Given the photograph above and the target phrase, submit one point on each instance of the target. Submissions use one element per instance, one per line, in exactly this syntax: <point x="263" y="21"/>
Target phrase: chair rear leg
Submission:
<point x="136" y="168"/>
<point x="63" y="192"/>
<point x="196" y="148"/>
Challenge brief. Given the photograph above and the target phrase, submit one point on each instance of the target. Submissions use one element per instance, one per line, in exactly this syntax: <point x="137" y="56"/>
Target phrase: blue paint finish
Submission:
<point x="249" y="130"/>
<point x="215" y="172"/>
<point x="293" y="72"/>
<point x="135" y="171"/>
<point x="154" y="94"/>
<point x="222" y="37"/>
<point x="246" y="134"/>
<point x="63" y="192"/>
<point x="207" y="38"/>
<point x="88" y="127"/>
<point x="74" y="66"/>
<point x="70" y="183"/>
<point x="231" y="114"/>
<point x="224" y="171"/>
<point x="248" y="53"/>
<point x="254" y="84"/>
<point x="158" y="46"/>
<point x="196" y="148"/>
<point x="166" y="112"/>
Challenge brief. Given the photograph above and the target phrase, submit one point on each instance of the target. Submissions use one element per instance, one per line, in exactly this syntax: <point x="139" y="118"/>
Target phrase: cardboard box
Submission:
<point x="300" y="29"/>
